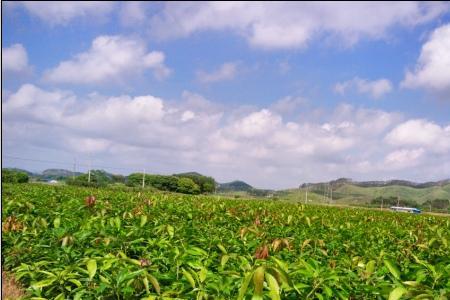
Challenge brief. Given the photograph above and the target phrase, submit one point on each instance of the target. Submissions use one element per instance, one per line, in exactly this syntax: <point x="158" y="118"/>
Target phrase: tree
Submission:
<point x="98" y="178"/>
<point x="134" y="179"/>
<point x="187" y="186"/>
<point x="117" y="178"/>
<point x="11" y="176"/>
<point x="205" y="183"/>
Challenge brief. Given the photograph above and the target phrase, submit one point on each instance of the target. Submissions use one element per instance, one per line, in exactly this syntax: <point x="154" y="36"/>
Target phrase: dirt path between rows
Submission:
<point x="11" y="290"/>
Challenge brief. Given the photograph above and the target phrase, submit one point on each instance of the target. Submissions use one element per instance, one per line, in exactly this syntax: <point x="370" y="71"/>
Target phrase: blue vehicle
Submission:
<point x="411" y="210"/>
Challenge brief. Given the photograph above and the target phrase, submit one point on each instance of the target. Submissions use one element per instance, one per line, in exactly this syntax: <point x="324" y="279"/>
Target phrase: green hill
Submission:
<point x="57" y="174"/>
<point x="348" y="193"/>
<point x="237" y="186"/>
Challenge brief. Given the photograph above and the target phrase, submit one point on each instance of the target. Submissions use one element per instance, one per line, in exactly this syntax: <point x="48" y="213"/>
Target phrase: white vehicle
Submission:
<point x="412" y="210"/>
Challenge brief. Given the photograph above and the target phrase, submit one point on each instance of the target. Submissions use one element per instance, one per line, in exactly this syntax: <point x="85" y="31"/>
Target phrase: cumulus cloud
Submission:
<point x="34" y="104"/>
<point x="432" y="71"/>
<point x="226" y="71"/>
<point x="109" y="58"/>
<point x="420" y="132"/>
<point x="14" y="58"/>
<point x="404" y="158"/>
<point x="375" y="89"/>
<point x="63" y="12"/>
<point x="284" y="25"/>
<point x="259" y="145"/>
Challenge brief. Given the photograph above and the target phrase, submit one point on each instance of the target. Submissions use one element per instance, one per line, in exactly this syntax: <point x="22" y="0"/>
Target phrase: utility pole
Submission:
<point x="306" y="195"/>
<point x="89" y="172"/>
<point x="382" y="203"/>
<point x="398" y="200"/>
<point x="143" y="179"/>
<point x="331" y="193"/>
<point x="74" y="167"/>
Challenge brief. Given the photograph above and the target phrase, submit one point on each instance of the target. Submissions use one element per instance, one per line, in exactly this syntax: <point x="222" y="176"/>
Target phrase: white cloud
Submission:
<point x="433" y="66"/>
<point x="63" y="12"/>
<point x="227" y="143"/>
<point x="422" y="133"/>
<point x="109" y="58"/>
<point x="35" y="104"/>
<point x="288" y="104"/>
<point x="256" y="124"/>
<point x="404" y="158"/>
<point x="375" y="89"/>
<point x="88" y="145"/>
<point x="14" y="58"/>
<point x="187" y="115"/>
<point x="133" y="13"/>
<point x="226" y="71"/>
<point x="282" y="25"/>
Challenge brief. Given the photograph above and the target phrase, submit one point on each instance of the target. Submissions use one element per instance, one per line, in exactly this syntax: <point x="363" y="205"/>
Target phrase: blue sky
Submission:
<point x="275" y="94"/>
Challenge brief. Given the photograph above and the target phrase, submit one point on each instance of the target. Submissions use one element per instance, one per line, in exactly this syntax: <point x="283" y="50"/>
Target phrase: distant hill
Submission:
<point x="396" y="182"/>
<point x="57" y="174"/>
<point x="237" y="186"/>
<point x="354" y="193"/>
<point x="20" y="170"/>
<point x="346" y="191"/>
<point x="243" y="189"/>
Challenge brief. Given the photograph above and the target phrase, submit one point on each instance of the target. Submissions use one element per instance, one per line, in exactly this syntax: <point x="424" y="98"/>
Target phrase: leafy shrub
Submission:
<point x="187" y="186"/>
<point x="99" y="178"/>
<point x="12" y="176"/>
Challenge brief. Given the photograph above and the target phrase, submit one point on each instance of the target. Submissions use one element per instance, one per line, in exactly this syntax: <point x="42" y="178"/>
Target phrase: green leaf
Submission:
<point x="396" y="293"/>
<point x="189" y="277"/>
<point x="170" y="230"/>
<point x="145" y="281"/>
<point x="91" y="268"/>
<point x="202" y="274"/>
<point x="392" y="268"/>
<point x="143" y="220"/>
<point x="258" y="282"/>
<point x="370" y="267"/>
<point x="273" y="287"/>
<point x="104" y="279"/>
<point x="308" y="221"/>
<point x="411" y="283"/>
<point x="57" y="222"/>
<point x="117" y="222"/>
<point x="289" y="219"/>
<point x="222" y="248"/>
<point x="244" y="286"/>
<point x="78" y="295"/>
<point x="76" y="282"/>
<point x="155" y="283"/>
<point x="224" y="260"/>
<point x="60" y="297"/>
<point x="43" y="283"/>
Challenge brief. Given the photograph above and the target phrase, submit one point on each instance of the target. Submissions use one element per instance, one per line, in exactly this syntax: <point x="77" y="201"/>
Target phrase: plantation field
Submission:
<point x="131" y="245"/>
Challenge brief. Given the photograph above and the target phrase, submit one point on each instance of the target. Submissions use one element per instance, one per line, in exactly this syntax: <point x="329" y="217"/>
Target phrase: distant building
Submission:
<point x="53" y="181"/>
<point x="412" y="210"/>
